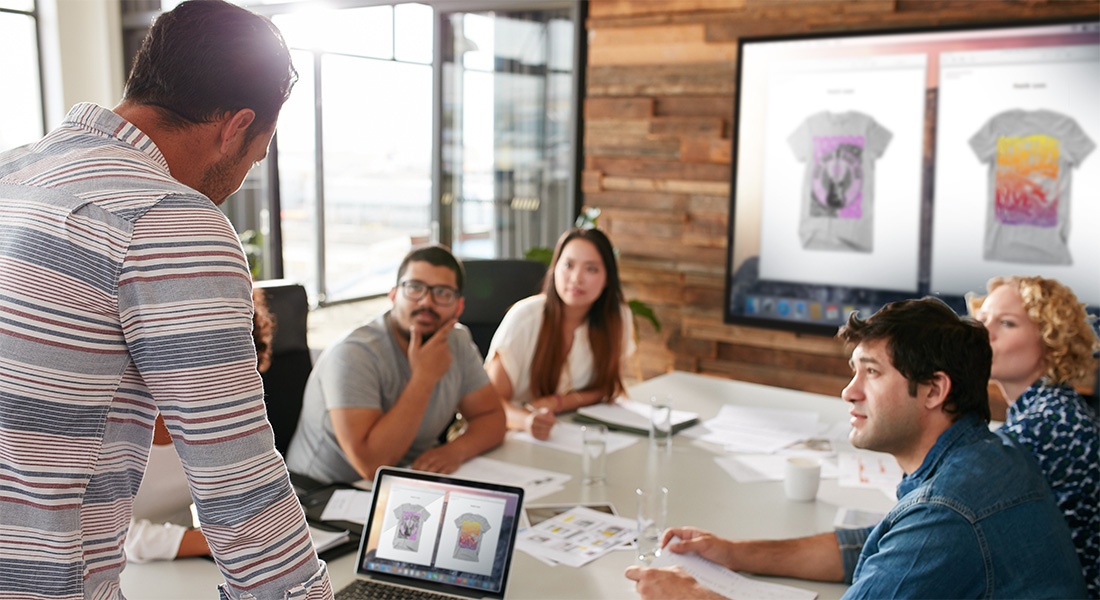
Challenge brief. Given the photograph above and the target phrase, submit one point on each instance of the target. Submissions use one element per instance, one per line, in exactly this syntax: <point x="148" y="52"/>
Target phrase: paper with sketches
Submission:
<point x="728" y="583"/>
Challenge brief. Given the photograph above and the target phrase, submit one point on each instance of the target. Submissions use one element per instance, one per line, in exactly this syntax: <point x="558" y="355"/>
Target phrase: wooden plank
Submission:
<point x="626" y="146"/>
<point x="785" y="359"/>
<point x="764" y="338"/>
<point x="694" y="348"/>
<point x="719" y="151"/>
<point x="694" y="106"/>
<point x="611" y="126"/>
<point x="698" y="204"/>
<point x="591" y="181"/>
<point x="643" y="35"/>
<point x="657" y="169"/>
<point x="703" y="295"/>
<point x="662" y="185"/>
<point x="662" y="80"/>
<point x="620" y="8"/>
<point x="643" y="229"/>
<point x="716" y="239"/>
<point x="668" y="249"/>
<point x="807" y="382"/>
<point x="677" y="219"/>
<point x="618" y="108"/>
<point x="639" y="200"/>
<point x="707" y="127"/>
<point x="663" y="54"/>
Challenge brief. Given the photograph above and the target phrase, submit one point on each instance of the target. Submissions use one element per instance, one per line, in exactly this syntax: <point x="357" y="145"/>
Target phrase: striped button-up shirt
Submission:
<point x="124" y="292"/>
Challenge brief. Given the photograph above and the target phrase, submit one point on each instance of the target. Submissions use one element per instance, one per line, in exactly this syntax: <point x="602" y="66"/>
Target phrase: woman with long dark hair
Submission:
<point x="564" y="348"/>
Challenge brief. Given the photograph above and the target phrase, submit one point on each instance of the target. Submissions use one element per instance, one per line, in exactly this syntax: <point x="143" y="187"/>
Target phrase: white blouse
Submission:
<point x="515" y="339"/>
<point x="162" y="509"/>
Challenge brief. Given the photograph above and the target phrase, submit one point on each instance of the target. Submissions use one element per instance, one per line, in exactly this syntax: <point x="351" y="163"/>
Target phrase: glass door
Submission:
<point x="507" y="172"/>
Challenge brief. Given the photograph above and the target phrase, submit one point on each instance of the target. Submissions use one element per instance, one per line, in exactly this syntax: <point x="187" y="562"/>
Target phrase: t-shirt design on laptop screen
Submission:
<point x="440" y="533"/>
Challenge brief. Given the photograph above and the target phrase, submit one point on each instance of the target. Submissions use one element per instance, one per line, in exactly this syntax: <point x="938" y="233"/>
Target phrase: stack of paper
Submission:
<point x="536" y="483"/>
<point x="567" y="438"/>
<point x="324" y="539"/>
<point x="632" y="416"/>
<point x="576" y="537"/>
<point x="759" y="430"/>
<point x="729" y="584"/>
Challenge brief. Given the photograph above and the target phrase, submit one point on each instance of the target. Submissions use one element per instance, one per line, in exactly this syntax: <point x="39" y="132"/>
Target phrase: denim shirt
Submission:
<point x="976" y="520"/>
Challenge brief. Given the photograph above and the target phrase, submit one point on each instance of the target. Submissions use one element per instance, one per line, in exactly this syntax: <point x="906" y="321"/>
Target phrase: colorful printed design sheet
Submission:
<point x="1031" y="155"/>
<point x="840" y="150"/>
<point x="410" y="520"/>
<point x="471" y="527"/>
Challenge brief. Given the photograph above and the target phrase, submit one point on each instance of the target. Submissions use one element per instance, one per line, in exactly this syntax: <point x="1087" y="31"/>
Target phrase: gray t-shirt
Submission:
<point x="367" y="369"/>
<point x="839" y="150"/>
<point x="471" y="526"/>
<point x="1030" y="156"/>
<point x="410" y="524"/>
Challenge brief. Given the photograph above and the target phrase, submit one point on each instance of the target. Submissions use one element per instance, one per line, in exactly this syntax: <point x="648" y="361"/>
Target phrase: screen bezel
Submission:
<point x="872" y="298"/>
<point x="443" y="480"/>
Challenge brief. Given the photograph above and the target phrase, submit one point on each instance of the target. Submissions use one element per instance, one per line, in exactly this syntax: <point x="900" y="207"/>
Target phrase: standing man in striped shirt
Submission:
<point x="124" y="292"/>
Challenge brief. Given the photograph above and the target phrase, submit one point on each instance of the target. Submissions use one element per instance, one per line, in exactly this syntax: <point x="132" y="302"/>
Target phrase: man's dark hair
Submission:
<point x="925" y="336"/>
<point x="439" y="256"/>
<point x="208" y="57"/>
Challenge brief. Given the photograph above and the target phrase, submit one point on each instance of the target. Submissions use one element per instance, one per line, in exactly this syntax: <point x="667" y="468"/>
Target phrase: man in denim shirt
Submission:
<point x="975" y="517"/>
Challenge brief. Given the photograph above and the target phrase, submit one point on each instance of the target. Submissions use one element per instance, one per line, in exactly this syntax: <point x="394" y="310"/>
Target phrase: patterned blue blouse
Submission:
<point x="1053" y="422"/>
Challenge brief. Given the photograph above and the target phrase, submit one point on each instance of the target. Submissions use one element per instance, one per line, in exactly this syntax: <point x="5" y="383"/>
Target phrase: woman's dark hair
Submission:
<point x="605" y="325"/>
<point x="208" y="57"/>
<point x="925" y="336"/>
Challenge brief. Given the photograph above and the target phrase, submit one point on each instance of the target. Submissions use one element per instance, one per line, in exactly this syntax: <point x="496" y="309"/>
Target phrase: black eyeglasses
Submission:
<point x="442" y="295"/>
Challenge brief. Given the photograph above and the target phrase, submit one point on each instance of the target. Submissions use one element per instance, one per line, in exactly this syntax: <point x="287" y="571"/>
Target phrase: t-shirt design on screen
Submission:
<point x="1031" y="154"/>
<point x="471" y="527"/>
<point x="839" y="150"/>
<point x="410" y="520"/>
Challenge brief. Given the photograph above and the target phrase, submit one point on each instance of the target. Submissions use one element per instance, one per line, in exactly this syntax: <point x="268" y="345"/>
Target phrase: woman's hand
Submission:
<point x="539" y="422"/>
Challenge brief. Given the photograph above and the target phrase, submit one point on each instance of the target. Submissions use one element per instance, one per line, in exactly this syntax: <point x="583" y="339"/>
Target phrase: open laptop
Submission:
<point x="434" y="534"/>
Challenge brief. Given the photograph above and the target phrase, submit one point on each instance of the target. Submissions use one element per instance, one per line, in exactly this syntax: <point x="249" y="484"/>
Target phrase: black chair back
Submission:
<point x="492" y="287"/>
<point x="291" y="362"/>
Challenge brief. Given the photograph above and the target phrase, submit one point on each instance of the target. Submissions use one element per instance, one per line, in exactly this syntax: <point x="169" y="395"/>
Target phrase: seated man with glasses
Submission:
<point x="385" y="393"/>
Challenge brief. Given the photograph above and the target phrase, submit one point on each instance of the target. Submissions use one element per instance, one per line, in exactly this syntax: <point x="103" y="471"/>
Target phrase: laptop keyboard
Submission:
<point x="372" y="590"/>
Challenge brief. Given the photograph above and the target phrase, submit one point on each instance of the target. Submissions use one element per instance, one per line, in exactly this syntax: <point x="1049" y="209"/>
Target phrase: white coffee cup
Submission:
<point x="802" y="478"/>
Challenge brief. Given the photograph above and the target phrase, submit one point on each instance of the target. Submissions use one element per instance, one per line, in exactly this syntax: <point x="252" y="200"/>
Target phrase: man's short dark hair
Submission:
<point x="436" y="255"/>
<point x="925" y="336"/>
<point x="208" y="57"/>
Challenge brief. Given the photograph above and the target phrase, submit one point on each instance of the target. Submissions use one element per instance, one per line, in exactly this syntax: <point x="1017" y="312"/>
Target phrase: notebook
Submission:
<point x="438" y="534"/>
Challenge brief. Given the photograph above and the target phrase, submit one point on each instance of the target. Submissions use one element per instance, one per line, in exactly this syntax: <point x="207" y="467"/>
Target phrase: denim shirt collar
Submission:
<point x="962" y="429"/>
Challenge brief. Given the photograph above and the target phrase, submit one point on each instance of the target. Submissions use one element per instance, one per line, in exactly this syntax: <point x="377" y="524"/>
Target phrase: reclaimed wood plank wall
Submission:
<point x="658" y="119"/>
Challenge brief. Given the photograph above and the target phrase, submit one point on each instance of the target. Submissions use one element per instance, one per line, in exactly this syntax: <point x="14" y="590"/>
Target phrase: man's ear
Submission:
<point x="393" y="294"/>
<point x="460" y="305"/>
<point x="233" y="128"/>
<point x="937" y="390"/>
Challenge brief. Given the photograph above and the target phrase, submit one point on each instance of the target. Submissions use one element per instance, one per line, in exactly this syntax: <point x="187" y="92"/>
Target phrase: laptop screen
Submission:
<point x="439" y="533"/>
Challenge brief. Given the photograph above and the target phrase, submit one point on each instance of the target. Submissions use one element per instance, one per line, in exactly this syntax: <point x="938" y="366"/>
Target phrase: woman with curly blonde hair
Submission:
<point x="1042" y="344"/>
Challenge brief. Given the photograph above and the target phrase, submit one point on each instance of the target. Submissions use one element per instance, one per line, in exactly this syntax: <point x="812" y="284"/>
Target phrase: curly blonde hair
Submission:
<point x="1064" y="329"/>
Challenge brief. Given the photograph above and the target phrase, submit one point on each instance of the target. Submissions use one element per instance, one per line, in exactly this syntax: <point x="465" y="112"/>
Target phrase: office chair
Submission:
<point x="291" y="363"/>
<point x="492" y="287"/>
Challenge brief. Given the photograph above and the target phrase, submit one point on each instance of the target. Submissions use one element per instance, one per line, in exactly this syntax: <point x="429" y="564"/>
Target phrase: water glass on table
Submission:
<point x="652" y="517"/>
<point x="594" y="454"/>
<point x="660" y="426"/>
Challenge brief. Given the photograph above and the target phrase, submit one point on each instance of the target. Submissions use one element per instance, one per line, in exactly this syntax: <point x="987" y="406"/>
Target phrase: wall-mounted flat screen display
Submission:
<point x="877" y="167"/>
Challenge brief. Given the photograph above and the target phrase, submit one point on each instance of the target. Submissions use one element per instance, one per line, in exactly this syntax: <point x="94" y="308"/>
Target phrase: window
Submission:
<point x="21" y="119"/>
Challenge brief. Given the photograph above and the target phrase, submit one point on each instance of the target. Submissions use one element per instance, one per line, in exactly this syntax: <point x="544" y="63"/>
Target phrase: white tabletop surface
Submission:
<point x="700" y="494"/>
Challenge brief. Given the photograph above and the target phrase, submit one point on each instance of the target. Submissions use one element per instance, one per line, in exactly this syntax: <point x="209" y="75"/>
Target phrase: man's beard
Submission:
<point x="405" y="333"/>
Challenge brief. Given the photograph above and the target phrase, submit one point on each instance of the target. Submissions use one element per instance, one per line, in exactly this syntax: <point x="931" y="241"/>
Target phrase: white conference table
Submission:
<point x="700" y="494"/>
